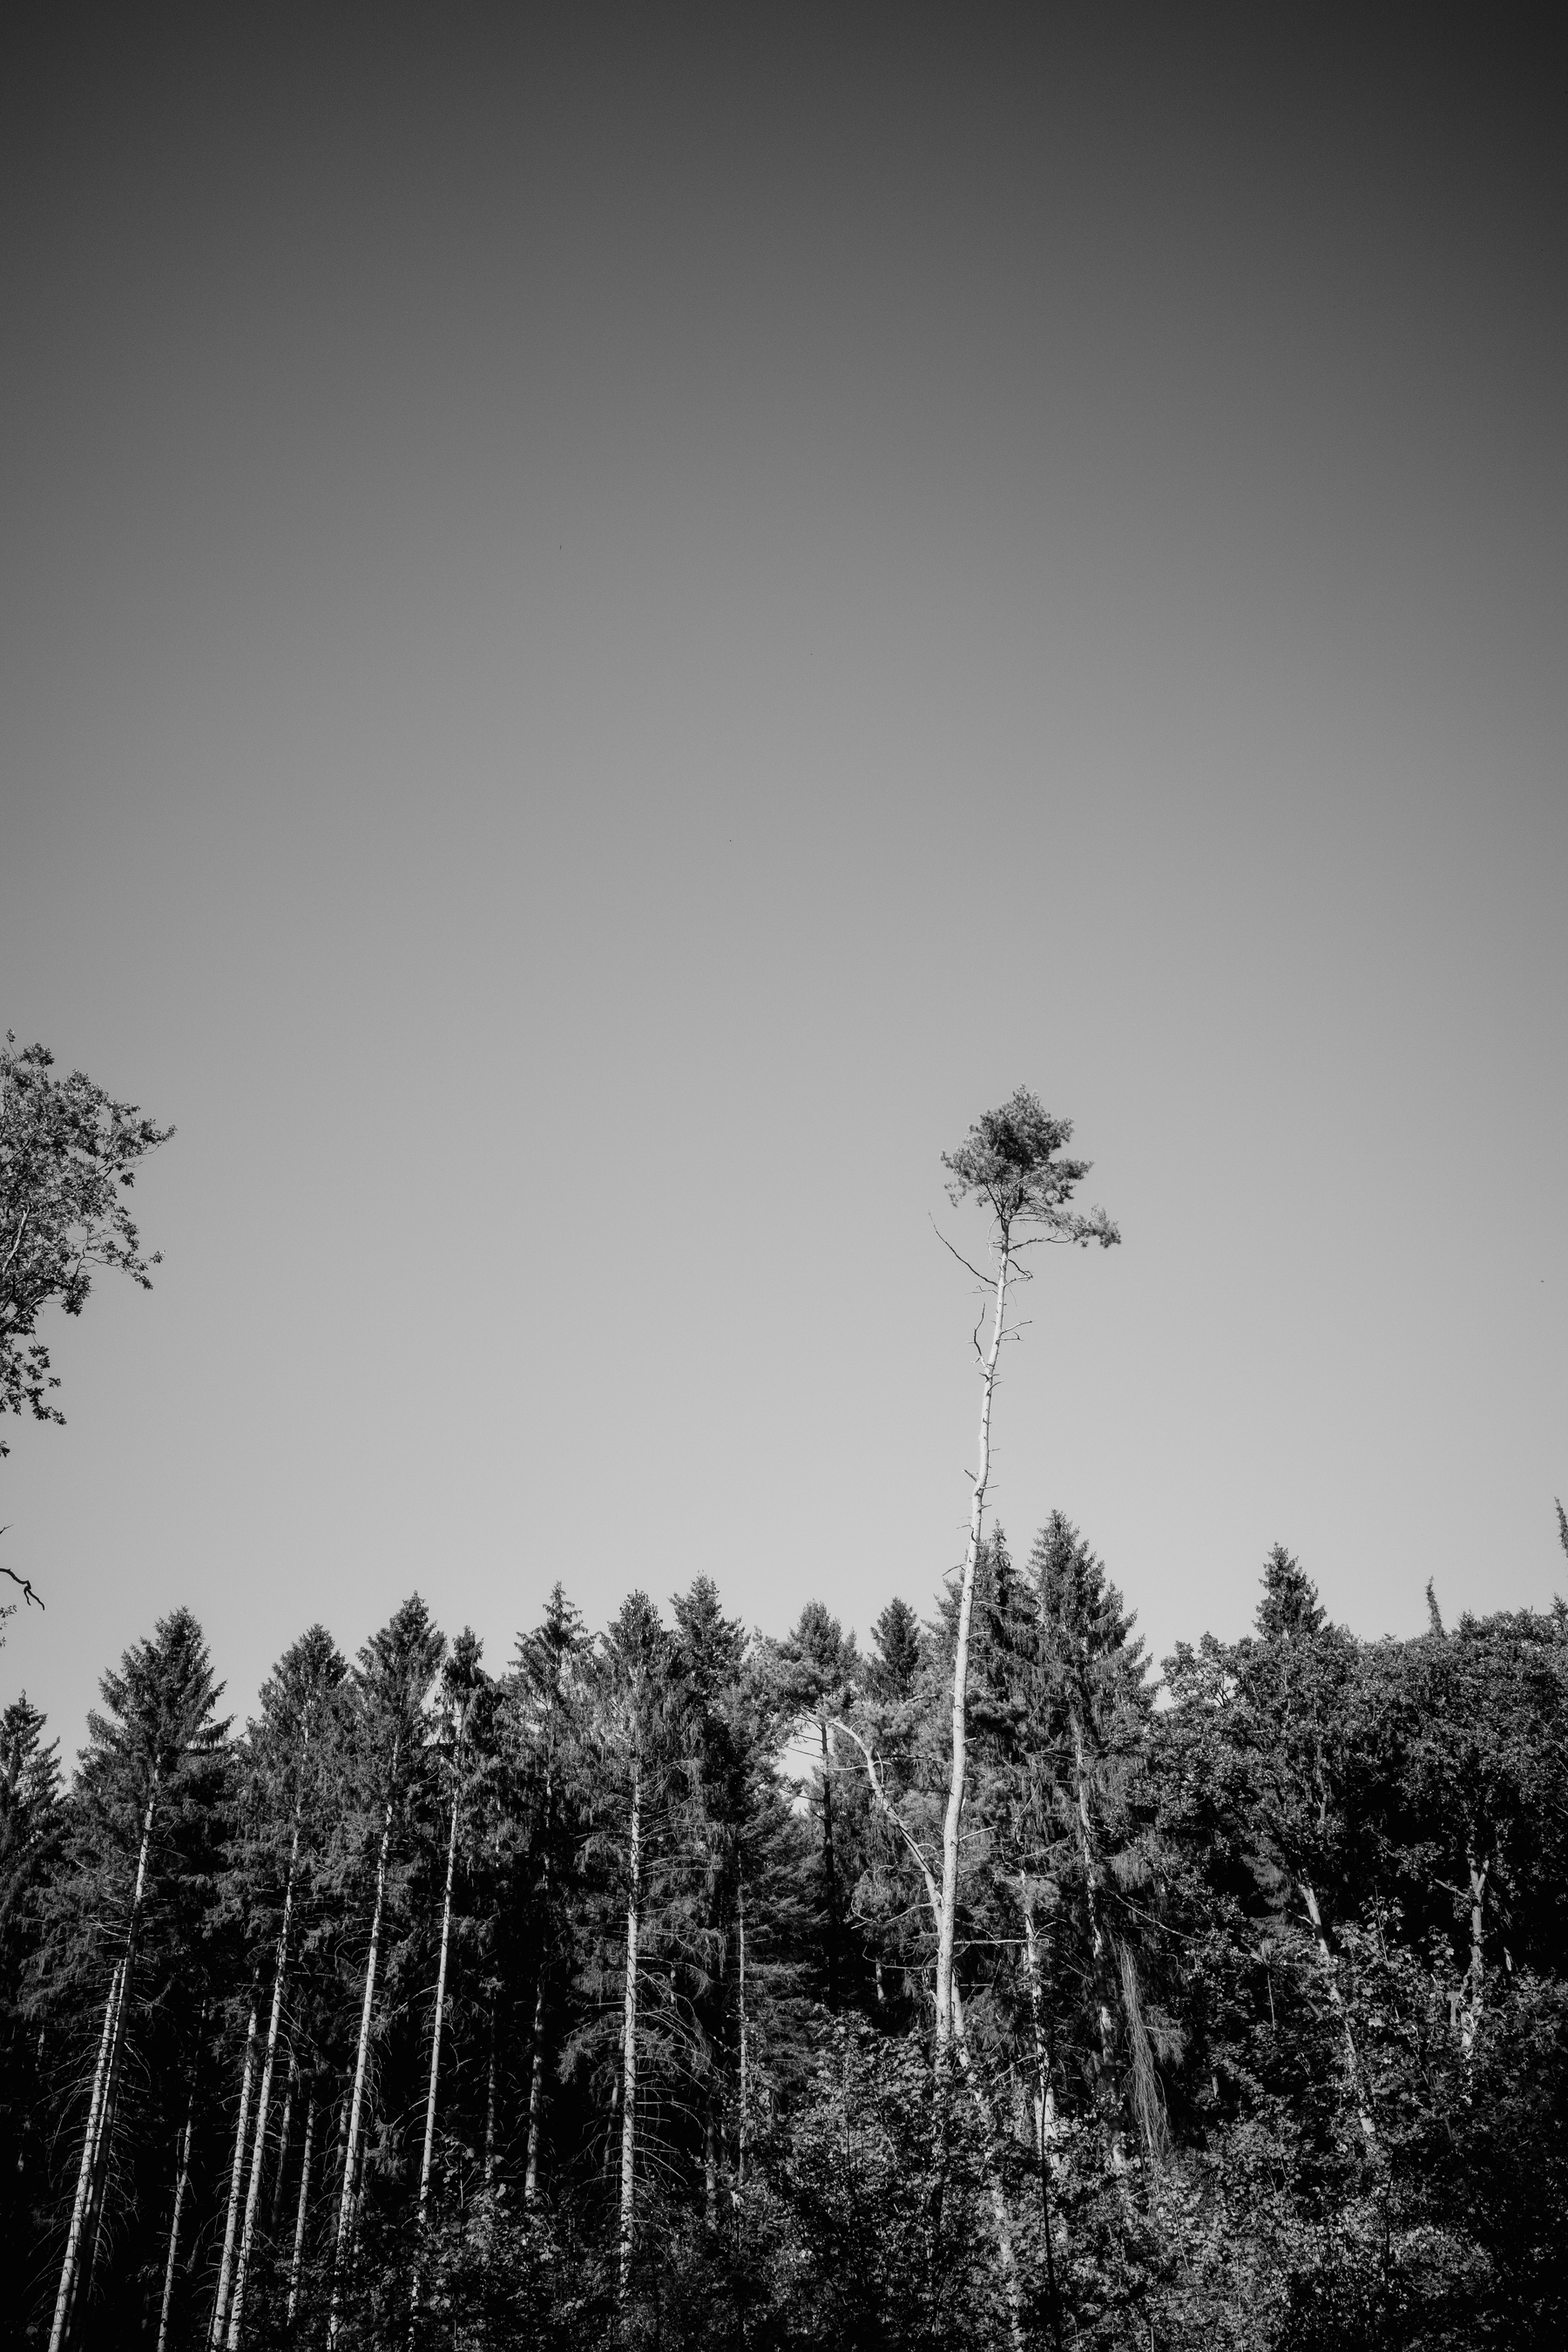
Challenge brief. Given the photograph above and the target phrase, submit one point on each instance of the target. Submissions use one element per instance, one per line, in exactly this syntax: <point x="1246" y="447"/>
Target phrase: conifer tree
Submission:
<point x="387" y="1753"/>
<point x="546" y="1726"/>
<point x="142" y="1818"/>
<point x="290" y="1752"/>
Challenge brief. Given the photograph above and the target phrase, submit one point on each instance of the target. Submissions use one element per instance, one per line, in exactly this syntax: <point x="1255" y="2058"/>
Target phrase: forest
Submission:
<point x="592" y="2001"/>
<point x="676" y="1984"/>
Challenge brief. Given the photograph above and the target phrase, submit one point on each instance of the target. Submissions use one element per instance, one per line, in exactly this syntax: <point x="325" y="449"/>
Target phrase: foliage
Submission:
<point x="1216" y="2114"/>
<point x="68" y="1154"/>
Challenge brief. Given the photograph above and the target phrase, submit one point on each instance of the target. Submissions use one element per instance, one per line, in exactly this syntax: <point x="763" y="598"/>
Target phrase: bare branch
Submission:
<point x="885" y="1802"/>
<point x="24" y="1582"/>
<point x="963" y="1260"/>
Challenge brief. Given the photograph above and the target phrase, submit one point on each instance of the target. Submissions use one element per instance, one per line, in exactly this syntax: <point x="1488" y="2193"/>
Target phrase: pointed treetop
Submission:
<point x="463" y="1673"/>
<point x="1434" y="1614"/>
<point x="160" y="1700"/>
<point x="895" y="1663"/>
<point x="1013" y="1158"/>
<point x="1289" y="1610"/>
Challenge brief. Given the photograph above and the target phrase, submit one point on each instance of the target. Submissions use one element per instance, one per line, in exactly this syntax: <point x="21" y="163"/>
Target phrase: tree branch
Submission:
<point x="885" y="1802"/>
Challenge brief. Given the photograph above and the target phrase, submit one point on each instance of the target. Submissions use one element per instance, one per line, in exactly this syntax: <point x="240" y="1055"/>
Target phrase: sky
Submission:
<point x="615" y="621"/>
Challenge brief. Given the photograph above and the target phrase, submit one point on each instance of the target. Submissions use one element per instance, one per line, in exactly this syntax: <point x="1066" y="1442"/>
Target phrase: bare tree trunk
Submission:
<point x="283" y="2134"/>
<point x="182" y="2177"/>
<point x="955" y="1791"/>
<point x="491" y="2105"/>
<point x="440" y="2013"/>
<point x="1091" y="1898"/>
<point x="66" y="2293"/>
<point x="1043" y="2113"/>
<point x="86" y="2211"/>
<point x="829" y="1869"/>
<point x="295" y="2265"/>
<point x="744" y="2117"/>
<point x="236" y="2178"/>
<point x="957" y="2048"/>
<point x="1001" y="2221"/>
<point x="536" y="2045"/>
<point x="629" y="2035"/>
<point x="441" y="1980"/>
<point x="1475" y="1975"/>
<point x="1352" y="2062"/>
<point x="535" y="2088"/>
<point x="258" y="2156"/>
<point x="362" y="2059"/>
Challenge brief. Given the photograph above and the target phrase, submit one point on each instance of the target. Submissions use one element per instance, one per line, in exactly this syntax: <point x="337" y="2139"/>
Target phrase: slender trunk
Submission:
<point x="86" y="2211"/>
<point x="283" y="2132"/>
<point x="104" y="2157"/>
<point x="1042" y="2099"/>
<point x="441" y="1980"/>
<point x="709" y="2175"/>
<point x="829" y="1870"/>
<point x="440" y="2013"/>
<point x="536" y="2045"/>
<point x="181" y="2177"/>
<point x="491" y="2105"/>
<point x="361" y="2060"/>
<point x="294" y="2266"/>
<point x="104" y="2149"/>
<point x="1091" y="1881"/>
<point x="610" y="2127"/>
<point x="1011" y="2286"/>
<point x="945" y="1925"/>
<point x="629" y="2033"/>
<point x="1353" y="2063"/>
<point x="1475" y="1975"/>
<point x="253" y="2196"/>
<point x="89" y="2162"/>
<point x="741" y="2135"/>
<point x="237" y="2178"/>
<point x="535" y="2088"/>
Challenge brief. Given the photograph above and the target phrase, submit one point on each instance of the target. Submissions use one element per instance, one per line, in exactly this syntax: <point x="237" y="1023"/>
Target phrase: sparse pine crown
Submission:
<point x="1012" y="1158"/>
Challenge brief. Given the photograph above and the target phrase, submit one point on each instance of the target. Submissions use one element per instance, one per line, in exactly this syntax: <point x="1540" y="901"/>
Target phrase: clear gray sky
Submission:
<point x="611" y="623"/>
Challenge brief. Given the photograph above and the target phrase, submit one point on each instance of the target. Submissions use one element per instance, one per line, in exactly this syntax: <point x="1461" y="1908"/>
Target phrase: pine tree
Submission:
<point x="387" y="1757"/>
<point x="121" y="1932"/>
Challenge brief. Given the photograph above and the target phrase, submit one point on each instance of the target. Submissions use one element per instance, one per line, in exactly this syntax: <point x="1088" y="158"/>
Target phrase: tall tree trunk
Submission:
<point x="1091" y="1883"/>
<point x="536" y="2045"/>
<point x="491" y="2104"/>
<point x="182" y="2179"/>
<point x="440" y="2013"/>
<point x="1002" y="2220"/>
<point x="535" y="2088"/>
<point x="295" y="2265"/>
<point x="629" y="2035"/>
<point x="1352" y="2061"/>
<point x="236" y="2174"/>
<point x="955" y="1791"/>
<point x="741" y="2135"/>
<point x="1042" y="2098"/>
<point x="283" y="2131"/>
<point x="829" y="1869"/>
<point x="281" y="1970"/>
<point x="88" y="2208"/>
<point x="89" y="2162"/>
<point x="957" y="2047"/>
<point x="441" y="1979"/>
<point x="361" y="2060"/>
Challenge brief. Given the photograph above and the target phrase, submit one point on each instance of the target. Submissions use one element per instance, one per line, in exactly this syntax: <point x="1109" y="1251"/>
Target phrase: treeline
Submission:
<point x="592" y="2002"/>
